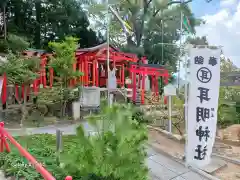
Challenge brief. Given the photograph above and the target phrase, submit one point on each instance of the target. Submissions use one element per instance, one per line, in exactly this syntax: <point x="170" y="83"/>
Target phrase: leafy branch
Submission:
<point x="62" y="63"/>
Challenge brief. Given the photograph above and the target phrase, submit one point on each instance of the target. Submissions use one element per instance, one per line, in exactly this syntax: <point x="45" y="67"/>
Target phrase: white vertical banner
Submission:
<point x="204" y="87"/>
<point x="1" y="85"/>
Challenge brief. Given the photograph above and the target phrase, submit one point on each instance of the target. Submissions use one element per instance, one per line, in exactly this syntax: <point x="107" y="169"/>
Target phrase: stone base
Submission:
<point x="214" y="165"/>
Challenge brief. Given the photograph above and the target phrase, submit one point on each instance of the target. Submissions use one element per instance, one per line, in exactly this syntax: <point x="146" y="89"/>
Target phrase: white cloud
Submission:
<point x="225" y="3"/>
<point x="222" y="29"/>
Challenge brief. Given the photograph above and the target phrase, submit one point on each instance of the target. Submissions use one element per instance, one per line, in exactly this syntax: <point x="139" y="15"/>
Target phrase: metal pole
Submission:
<point x="179" y="62"/>
<point x="170" y="114"/>
<point x="186" y="100"/>
<point x="161" y="85"/>
<point x="162" y="37"/>
<point x="58" y="144"/>
<point x="108" y="55"/>
<point x="162" y="42"/>
<point x="58" y="140"/>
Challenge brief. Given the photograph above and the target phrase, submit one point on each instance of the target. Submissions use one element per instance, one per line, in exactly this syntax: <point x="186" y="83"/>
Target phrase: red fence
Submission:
<point x="4" y="135"/>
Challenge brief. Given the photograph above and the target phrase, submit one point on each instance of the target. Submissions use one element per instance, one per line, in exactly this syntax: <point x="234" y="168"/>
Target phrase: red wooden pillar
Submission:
<point x="81" y="64"/>
<point x="80" y="70"/>
<point x="50" y="77"/>
<point x="123" y="75"/>
<point x="166" y="76"/>
<point x="35" y="87"/>
<point x="156" y="86"/>
<point x="97" y="73"/>
<point x="143" y="86"/>
<point x="134" y="85"/>
<point x="94" y="73"/>
<point x="86" y="70"/>
<point x="43" y="75"/>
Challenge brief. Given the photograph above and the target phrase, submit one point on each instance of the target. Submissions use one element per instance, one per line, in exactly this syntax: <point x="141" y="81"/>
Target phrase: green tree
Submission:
<point x="153" y="23"/>
<point x="62" y="63"/>
<point x="42" y="21"/>
<point x="227" y="65"/>
<point x="13" y="43"/>
<point x="20" y="71"/>
<point x="197" y="40"/>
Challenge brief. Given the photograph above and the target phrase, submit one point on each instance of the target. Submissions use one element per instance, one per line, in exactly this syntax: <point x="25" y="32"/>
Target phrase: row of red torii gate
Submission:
<point x="131" y="72"/>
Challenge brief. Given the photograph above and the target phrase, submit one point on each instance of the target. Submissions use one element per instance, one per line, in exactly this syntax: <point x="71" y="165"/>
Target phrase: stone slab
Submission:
<point x="192" y="176"/>
<point x="169" y="164"/>
<point x="178" y="178"/>
<point x="160" y="171"/>
<point x="214" y="165"/>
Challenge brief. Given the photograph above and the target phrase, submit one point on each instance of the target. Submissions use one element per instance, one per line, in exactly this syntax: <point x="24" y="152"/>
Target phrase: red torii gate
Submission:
<point x="152" y="70"/>
<point x="89" y="61"/>
<point x="92" y="61"/>
<point x="36" y="83"/>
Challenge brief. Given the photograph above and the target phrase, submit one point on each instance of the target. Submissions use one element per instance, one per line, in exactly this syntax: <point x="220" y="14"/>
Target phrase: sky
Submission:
<point x="222" y="26"/>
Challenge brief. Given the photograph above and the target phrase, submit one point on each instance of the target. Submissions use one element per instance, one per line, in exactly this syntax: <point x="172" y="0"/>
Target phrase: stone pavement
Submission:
<point x="164" y="168"/>
<point x="161" y="167"/>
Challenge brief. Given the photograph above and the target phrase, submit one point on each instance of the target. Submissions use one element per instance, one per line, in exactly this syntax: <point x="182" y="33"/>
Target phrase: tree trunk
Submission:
<point x="4" y="22"/>
<point x="64" y="108"/>
<point x="37" y="36"/>
<point x="24" y="106"/>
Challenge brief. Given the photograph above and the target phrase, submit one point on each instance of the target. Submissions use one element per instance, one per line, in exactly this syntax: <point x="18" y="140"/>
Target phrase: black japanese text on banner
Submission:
<point x="202" y="105"/>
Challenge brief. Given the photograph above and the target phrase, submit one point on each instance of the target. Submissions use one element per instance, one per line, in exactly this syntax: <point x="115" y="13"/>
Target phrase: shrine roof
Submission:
<point x="98" y="47"/>
<point x="150" y="65"/>
<point x="100" y="52"/>
<point x="40" y="51"/>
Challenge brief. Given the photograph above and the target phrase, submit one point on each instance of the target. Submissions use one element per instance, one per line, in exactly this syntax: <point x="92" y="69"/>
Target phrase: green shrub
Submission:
<point x="3" y="46"/>
<point x="117" y="152"/>
<point x="138" y="115"/>
<point x="227" y="115"/>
